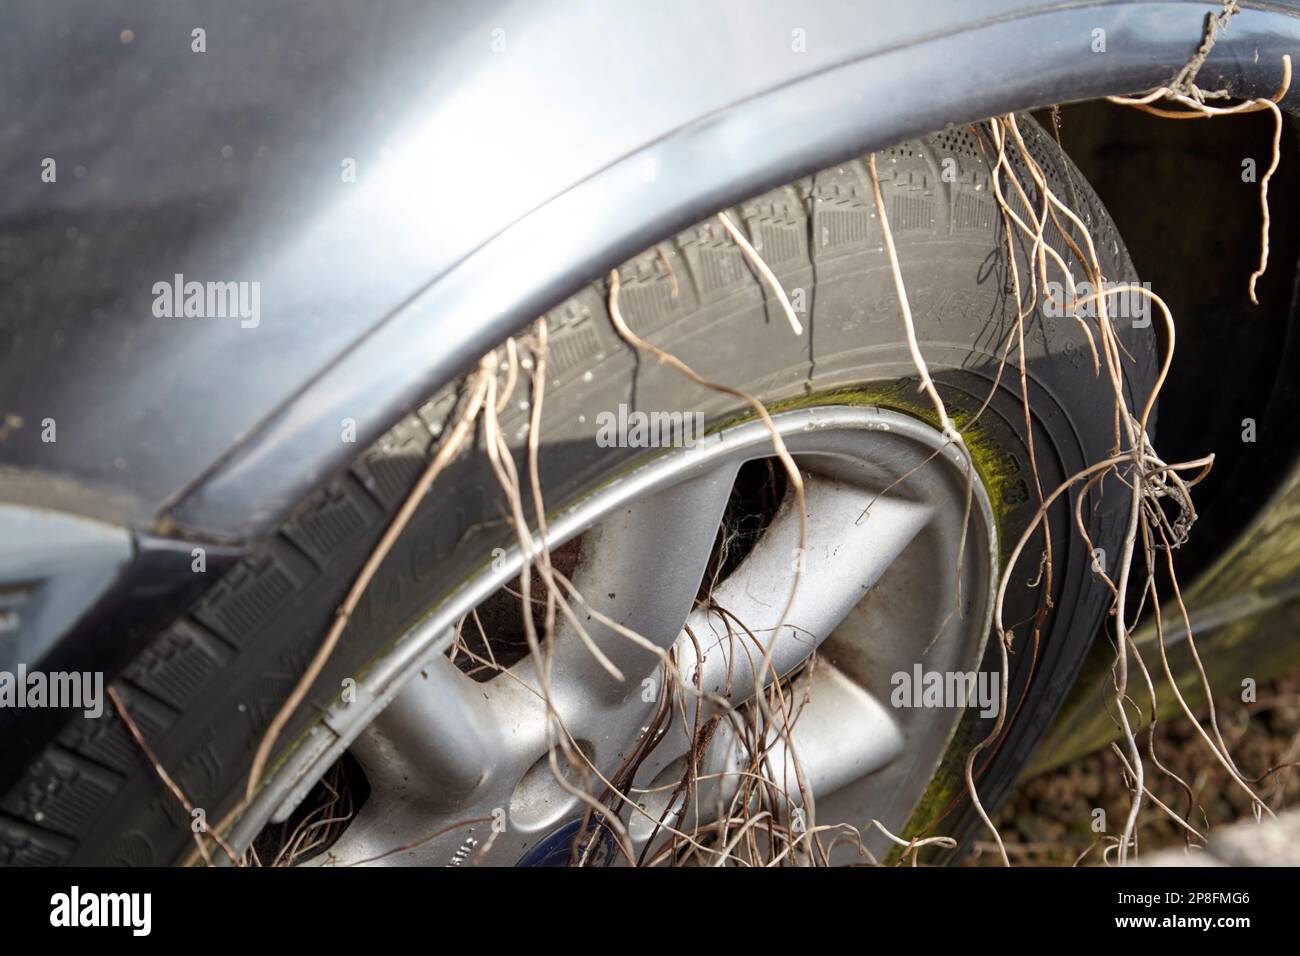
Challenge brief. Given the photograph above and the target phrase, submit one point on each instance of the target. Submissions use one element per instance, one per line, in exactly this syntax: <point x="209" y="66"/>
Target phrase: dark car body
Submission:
<point x="231" y="164"/>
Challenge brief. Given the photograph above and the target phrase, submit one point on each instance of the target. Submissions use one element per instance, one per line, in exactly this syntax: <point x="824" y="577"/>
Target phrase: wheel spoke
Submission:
<point x="642" y="568"/>
<point x="842" y="556"/>
<point x="842" y="734"/>
<point x="436" y="743"/>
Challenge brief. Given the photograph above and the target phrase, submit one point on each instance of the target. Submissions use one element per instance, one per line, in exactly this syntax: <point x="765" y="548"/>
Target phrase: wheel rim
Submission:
<point x="896" y="530"/>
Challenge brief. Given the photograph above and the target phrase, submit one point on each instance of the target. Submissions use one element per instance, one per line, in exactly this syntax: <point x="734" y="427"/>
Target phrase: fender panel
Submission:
<point x="791" y="129"/>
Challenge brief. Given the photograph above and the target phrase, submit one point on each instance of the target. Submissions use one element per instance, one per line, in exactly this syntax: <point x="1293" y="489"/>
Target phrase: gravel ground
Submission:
<point x="1049" y="820"/>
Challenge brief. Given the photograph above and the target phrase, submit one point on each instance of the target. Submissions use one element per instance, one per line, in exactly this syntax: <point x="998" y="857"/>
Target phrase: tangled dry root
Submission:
<point x="769" y="821"/>
<point x="1154" y="485"/>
